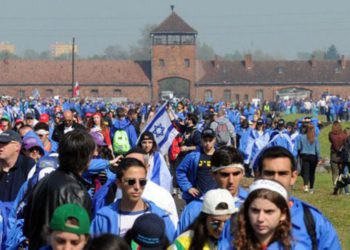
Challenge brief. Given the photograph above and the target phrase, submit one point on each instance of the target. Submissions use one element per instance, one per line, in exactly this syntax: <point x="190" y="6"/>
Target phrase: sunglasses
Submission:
<point x="132" y="182"/>
<point x="216" y="224"/>
<point x="223" y="174"/>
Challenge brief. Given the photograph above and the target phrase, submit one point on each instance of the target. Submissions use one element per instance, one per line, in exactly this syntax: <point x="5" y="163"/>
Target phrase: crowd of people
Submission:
<point x="79" y="174"/>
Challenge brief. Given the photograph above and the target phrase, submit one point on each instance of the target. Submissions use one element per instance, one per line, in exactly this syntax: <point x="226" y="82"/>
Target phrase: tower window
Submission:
<point x="49" y="92"/>
<point x="161" y="62"/>
<point x="246" y="98"/>
<point x="187" y="63"/>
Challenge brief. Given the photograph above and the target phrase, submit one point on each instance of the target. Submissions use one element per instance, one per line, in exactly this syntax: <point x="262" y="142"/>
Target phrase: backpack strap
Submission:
<point x="310" y="225"/>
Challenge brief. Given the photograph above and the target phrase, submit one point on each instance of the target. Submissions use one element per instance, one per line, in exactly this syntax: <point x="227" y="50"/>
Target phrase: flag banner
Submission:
<point x="76" y="89"/>
<point x="163" y="130"/>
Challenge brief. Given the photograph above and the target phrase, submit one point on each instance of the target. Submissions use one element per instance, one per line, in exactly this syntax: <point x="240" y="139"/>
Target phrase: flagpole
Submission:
<point x="73" y="52"/>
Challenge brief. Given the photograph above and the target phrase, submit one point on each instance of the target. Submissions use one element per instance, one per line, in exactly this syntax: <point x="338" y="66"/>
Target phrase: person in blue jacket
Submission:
<point x="118" y="217"/>
<point x="310" y="228"/>
<point x="228" y="171"/>
<point x="123" y="123"/>
<point x="193" y="175"/>
<point x="264" y="219"/>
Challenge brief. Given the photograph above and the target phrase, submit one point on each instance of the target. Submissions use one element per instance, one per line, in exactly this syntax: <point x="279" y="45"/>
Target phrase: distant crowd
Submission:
<point x="87" y="174"/>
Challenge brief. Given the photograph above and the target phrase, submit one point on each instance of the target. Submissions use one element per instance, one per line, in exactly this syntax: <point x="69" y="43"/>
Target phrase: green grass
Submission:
<point x="335" y="208"/>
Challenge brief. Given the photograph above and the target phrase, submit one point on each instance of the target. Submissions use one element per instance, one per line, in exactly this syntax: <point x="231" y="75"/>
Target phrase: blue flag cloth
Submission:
<point x="162" y="129"/>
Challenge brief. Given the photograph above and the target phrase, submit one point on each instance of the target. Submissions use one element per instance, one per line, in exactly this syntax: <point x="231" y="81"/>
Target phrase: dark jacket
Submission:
<point x="58" y="188"/>
<point x="59" y="131"/>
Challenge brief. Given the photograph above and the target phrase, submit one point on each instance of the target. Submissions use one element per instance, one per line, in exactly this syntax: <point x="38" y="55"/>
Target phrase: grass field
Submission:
<point x="335" y="208"/>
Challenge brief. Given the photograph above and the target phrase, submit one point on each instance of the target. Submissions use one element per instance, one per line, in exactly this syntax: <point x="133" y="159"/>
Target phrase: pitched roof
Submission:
<point x="174" y="24"/>
<point x="86" y="71"/>
<point x="272" y="72"/>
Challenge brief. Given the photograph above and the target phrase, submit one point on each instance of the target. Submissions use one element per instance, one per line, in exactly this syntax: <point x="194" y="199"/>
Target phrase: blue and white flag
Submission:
<point x="162" y="129"/>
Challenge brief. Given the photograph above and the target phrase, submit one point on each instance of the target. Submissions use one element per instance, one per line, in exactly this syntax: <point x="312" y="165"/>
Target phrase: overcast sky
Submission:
<point x="274" y="26"/>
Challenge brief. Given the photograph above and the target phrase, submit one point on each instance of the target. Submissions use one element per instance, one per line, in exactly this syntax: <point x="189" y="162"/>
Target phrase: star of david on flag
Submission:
<point x="162" y="128"/>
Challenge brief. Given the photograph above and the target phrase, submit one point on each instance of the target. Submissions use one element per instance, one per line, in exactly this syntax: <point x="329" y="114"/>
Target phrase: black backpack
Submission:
<point x="310" y="225"/>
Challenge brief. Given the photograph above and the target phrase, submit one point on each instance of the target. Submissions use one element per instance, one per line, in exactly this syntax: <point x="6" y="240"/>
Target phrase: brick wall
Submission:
<point x="173" y="57"/>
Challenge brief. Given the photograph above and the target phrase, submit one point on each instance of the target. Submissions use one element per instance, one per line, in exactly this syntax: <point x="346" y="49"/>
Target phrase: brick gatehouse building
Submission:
<point x="174" y="67"/>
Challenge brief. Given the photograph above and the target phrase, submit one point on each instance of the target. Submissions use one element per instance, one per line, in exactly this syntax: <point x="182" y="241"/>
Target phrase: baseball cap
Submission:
<point x="260" y="121"/>
<point x="44" y="118"/>
<point x="148" y="233"/>
<point x="5" y="117"/>
<point x="98" y="138"/>
<point x="208" y="132"/>
<point x="9" y="136"/>
<point x="30" y="142"/>
<point x="281" y="122"/>
<point x="29" y="115"/>
<point x="64" y="212"/>
<point x="215" y="197"/>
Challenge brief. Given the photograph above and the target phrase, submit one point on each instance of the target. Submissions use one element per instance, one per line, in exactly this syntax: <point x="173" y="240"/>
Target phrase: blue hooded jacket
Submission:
<point x="107" y="220"/>
<point x="126" y="125"/>
<point x="186" y="174"/>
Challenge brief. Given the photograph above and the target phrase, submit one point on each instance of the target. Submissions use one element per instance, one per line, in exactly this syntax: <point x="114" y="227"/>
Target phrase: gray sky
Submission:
<point x="274" y="26"/>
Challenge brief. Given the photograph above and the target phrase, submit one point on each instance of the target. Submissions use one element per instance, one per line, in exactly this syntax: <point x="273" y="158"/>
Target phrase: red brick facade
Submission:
<point x="169" y="61"/>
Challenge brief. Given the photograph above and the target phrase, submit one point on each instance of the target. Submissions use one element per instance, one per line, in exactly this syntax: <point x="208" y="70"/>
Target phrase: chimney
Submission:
<point x="215" y="62"/>
<point x="342" y="62"/>
<point x="313" y="61"/>
<point x="248" y="61"/>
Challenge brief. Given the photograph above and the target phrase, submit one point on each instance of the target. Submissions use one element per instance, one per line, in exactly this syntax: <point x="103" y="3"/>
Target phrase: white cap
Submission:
<point x="216" y="196"/>
<point x="269" y="185"/>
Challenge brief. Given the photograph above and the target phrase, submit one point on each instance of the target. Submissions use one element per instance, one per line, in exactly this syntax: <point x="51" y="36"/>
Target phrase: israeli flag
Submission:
<point x="162" y="129"/>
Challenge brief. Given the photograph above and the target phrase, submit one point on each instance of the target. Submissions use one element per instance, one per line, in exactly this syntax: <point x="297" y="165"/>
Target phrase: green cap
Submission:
<point x="67" y="211"/>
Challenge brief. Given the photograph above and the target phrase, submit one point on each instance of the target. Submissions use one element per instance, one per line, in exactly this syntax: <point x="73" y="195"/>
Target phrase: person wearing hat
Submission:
<point x="264" y="219"/>
<point x="69" y="228"/>
<point x="205" y="232"/>
<point x="65" y="185"/>
<point x="158" y="170"/>
<point x="30" y="120"/>
<point x="5" y="123"/>
<point x="147" y="233"/>
<point x="14" y="167"/>
<point x="193" y="175"/>
<point x="32" y="148"/>
<point x="227" y="171"/>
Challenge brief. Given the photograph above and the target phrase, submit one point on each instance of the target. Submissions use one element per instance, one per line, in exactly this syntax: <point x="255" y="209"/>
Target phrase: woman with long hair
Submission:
<point x="264" y="220"/>
<point x="158" y="171"/>
<point x="205" y="231"/>
<point x="309" y="150"/>
<point x="98" y="125"/>
<point x="337" y="138"/>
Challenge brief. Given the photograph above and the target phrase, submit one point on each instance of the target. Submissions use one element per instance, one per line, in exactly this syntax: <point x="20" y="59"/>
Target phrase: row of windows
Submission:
<point x="227" y="95"/>
<point x="187" y="62"/>
<point x="50" y="92"/>
<point x="174" y="39"/>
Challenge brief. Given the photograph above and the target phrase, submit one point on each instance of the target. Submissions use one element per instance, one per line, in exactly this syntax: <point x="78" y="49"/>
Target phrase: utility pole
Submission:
<point x="73" y="52"/>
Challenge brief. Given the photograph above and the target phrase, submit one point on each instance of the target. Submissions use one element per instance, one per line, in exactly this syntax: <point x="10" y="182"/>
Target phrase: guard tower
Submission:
<point x="173" y="58"/>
